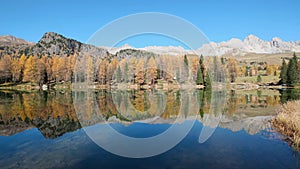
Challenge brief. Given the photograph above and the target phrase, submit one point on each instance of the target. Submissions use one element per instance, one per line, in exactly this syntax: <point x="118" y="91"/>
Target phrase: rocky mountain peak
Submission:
<point x="251" y="37"/>
<point x="275" y="42"/>
<point x="50" y="36"/>
<point x="251" y="44"/>
<point x="53" y="43"/>
<point x="277" y="39"/>
<point x="252" y="40"/>
<point x="234" y="43"/>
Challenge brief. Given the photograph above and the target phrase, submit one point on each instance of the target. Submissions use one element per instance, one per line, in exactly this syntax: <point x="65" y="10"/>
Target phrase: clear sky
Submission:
<point x="220" y="20"/>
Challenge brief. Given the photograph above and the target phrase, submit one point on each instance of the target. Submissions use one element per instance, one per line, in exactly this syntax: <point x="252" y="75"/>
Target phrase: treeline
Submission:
<point x="34" y="69"/>
<point x="290" y="73"/>
<point x="148" y="70"/>
<point x="104" y="71"/>
<point x="143" y="70"/>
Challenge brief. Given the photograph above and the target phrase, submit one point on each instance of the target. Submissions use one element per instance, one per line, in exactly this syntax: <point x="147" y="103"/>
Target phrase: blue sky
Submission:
<point x="219" y="20"/>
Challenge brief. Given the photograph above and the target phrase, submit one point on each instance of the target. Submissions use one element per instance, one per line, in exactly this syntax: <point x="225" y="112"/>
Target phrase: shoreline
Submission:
<point x="124" y="86"/>
<point x="287" y="122"/>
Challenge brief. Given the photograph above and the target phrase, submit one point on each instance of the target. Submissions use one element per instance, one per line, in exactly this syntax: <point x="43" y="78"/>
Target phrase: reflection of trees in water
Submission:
<point x="140" y="100"/>
<point x="35" y="105"/>
<point x="218" y="101"/>
<point x="43" y="105"/>
<point x="53" y="112"/>
<point x="31" y="106"/>
<point x="204" y="99"/>
<point x="231" y="103"/>
<point x="251" y="101"/>
<point x="289" y="94"/>
<point x="140" y="105"/>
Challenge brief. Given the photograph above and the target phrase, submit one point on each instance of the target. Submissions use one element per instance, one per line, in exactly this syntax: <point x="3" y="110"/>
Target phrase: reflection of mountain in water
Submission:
<point x="13" y="127"/>
<point x="53" y="113"/>
<point x="251" y="125"/>
<point x="55" y="127"/>
<point x="50" y="128"/>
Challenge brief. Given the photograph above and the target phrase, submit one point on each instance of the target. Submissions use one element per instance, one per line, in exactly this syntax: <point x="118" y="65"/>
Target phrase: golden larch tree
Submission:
<point x="55" y="68"/>
<point x="232" y="69"/>
<point x="151" y="71"/>
<point x="89" y="70"/>
<point x="15" y="70"/>
<point x="102" y="71"/>
<point x="112" y="67"/>
<point x="5" y="68"/>
<point x="140" y="71"/>
<point x="30" y="70"/>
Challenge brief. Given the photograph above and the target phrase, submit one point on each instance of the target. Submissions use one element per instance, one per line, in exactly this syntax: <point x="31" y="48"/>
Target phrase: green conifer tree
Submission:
<point x="292" y="71"/>
<point x="119" y="75"/>
<point x="201" y="60"/>
<point x="259" y="79"/>
<point x="199" y="80"/>
<point x="207" y="81"/>
<point x="283" y="73"/>
<point x="186" y="66"/>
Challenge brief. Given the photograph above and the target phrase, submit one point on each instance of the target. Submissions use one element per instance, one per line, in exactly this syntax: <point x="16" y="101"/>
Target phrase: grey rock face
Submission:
<point x="55" y="44"/>
<point x="50" y="44"/>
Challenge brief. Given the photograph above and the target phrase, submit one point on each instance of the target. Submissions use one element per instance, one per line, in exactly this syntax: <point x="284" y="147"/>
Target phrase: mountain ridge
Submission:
<point x="53" y="43"/>
<point x="12" y="40"/>
<point x="234" y="46"/>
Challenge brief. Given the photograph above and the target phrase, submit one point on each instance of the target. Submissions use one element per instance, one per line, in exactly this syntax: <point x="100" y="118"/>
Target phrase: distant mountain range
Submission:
<point x="52" y="43"/>
<point x="251" y="44"/>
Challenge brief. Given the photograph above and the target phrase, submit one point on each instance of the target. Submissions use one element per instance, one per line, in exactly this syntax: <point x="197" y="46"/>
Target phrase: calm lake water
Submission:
<point x="46" y="130"/>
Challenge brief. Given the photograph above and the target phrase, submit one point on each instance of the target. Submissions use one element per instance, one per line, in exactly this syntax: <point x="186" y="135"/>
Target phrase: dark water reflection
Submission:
<point x="43" y="130"/>
<point x="290" y="94"/>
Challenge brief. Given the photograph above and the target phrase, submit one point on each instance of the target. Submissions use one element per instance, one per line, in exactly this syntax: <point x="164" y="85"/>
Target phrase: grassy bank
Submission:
<point x="288" y="122"/>
<point x="253" y="79"/>
<point x="19" y="86"/>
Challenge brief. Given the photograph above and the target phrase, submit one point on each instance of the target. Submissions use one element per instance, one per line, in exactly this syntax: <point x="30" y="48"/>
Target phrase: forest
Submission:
<point x="106" y="71"/>
<point x="148" y="70"/>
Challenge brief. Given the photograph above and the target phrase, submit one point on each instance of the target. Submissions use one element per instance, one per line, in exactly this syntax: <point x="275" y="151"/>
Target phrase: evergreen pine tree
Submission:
<point x="201" y="64"/>
<point x="201" y="60"/>
<point x="297" y="76"/>
<point x="199" y="80"/>
<point x="119" y="74"/>
<point x="259" y="79"/>
<point x="223" y="60"/>
<point x="292" y="71"/>
<point x="283" y="73"/>
<point x="186" y="66"/>
<point x="186" y="62"/>
<point x="207" y="81"/>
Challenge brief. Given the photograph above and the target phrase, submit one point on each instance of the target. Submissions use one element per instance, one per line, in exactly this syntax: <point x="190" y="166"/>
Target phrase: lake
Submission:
<point x="60" y="129"/>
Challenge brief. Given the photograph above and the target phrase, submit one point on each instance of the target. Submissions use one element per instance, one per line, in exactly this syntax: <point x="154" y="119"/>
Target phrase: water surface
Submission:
<point x="43" y="130"/>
